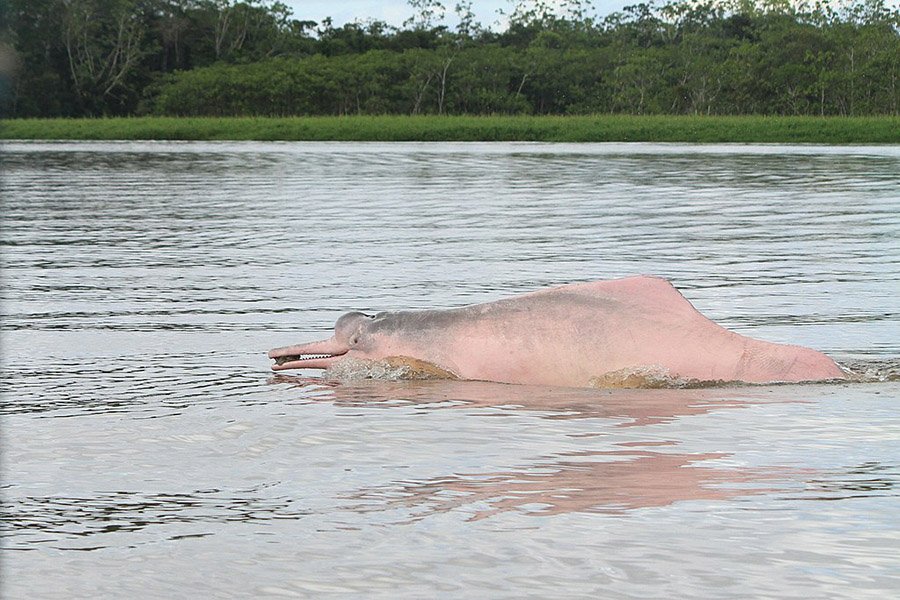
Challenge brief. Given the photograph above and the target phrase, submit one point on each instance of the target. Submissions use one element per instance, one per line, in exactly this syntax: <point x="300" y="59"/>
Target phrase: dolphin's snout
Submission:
<point x="314" y="355"/>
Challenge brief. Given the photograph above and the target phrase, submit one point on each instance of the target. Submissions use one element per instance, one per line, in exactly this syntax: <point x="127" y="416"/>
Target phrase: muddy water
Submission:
<point x="148" y="451"/>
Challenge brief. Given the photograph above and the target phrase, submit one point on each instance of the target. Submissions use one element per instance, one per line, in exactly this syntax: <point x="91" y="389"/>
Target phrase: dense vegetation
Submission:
<point x="572" y="128"/>
<point x="224" y="57"/>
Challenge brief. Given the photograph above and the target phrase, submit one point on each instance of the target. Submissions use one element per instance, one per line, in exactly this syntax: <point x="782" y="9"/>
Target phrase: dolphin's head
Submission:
<point x="353" y="337"/>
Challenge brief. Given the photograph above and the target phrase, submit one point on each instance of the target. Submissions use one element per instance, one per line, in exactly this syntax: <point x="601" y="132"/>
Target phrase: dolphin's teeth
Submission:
<point x="294" y="357"/>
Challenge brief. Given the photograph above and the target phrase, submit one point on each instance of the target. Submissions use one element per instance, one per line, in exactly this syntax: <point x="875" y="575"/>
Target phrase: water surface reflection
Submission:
<point x="626" y="407"/>
<point x="620" y="481"/>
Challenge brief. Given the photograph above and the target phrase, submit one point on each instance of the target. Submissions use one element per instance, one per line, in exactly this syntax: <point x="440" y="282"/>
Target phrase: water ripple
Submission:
<point x="83" y="523"/>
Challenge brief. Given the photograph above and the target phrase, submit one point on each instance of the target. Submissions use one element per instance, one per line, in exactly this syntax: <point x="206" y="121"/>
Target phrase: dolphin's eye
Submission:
<point x="354" y="340"/>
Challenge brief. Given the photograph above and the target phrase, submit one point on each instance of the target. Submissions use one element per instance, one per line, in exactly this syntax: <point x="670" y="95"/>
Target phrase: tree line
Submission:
<point x="252" y="57"/>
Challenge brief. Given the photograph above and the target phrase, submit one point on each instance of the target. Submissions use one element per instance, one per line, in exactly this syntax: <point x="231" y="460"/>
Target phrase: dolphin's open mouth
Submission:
<point x="280" y="360"/>
<point x="314" y="355"/>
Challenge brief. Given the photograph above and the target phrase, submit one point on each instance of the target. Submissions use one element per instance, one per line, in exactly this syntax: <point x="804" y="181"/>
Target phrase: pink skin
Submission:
<point x="567" y="335"/>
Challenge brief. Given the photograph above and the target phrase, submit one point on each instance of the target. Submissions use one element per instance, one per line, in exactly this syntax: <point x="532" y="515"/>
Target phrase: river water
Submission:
<point x="149" y="452"/>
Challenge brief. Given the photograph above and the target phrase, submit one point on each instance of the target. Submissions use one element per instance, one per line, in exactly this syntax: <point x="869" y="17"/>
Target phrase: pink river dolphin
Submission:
<point x="579" y="335"/>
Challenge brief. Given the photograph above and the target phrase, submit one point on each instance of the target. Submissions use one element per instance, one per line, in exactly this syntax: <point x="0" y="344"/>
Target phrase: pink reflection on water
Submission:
<point x="619" y="482"/>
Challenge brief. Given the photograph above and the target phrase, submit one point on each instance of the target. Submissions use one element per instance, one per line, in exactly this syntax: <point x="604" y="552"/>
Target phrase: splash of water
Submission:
<point x="872" y="370"/>
<point x="650" y="377"/>
<point x="392" y="368"/>
<point x="404" y="368"/>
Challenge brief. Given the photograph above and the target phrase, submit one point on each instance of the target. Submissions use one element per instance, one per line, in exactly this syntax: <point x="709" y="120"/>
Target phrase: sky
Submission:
<point x="398" y="11"/>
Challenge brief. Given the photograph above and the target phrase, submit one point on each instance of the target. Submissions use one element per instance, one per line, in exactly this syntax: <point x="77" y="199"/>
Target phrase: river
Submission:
<point x="148" y="451"/>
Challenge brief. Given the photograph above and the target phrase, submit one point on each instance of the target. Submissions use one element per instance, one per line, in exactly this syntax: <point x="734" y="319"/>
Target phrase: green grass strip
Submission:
<point x="597" y="128"/>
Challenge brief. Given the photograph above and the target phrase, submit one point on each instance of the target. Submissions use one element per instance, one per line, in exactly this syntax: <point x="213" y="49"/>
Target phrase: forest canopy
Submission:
<point x="75" y="58"/>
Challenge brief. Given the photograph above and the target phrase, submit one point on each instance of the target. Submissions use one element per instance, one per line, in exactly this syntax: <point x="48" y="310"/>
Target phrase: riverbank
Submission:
<point x="596" y="128"/>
